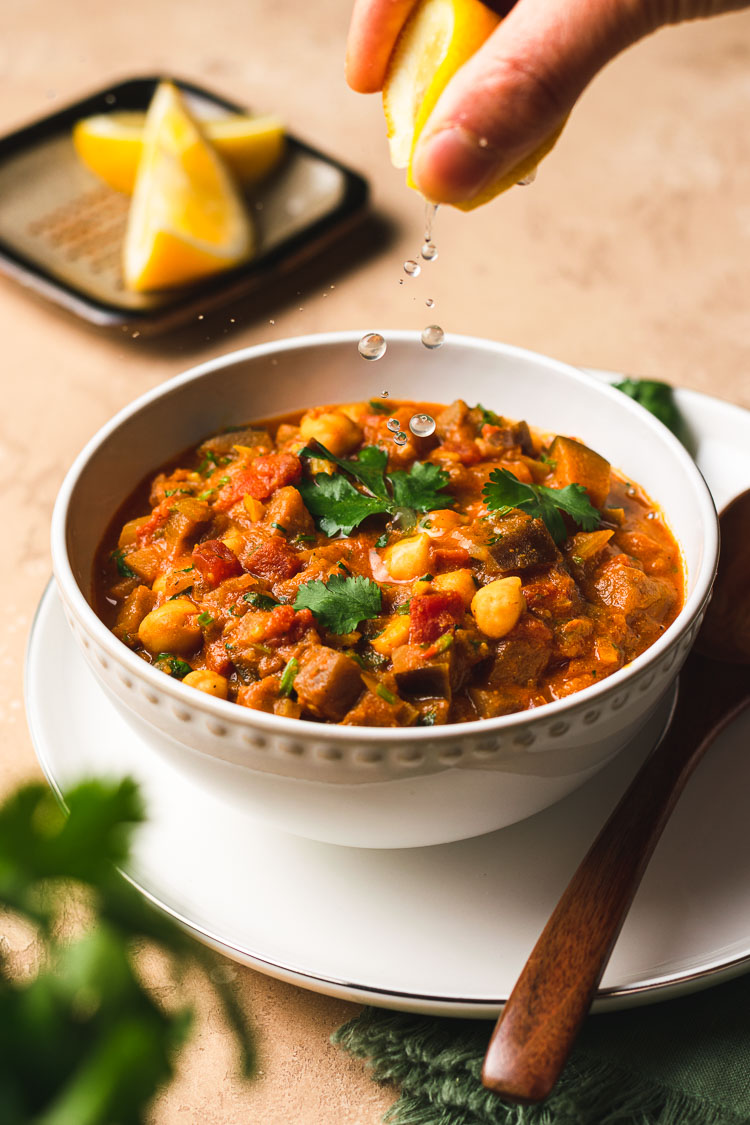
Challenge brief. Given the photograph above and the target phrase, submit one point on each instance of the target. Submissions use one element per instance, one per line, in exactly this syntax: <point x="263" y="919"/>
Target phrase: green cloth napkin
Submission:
<point x="680" y="1062"/>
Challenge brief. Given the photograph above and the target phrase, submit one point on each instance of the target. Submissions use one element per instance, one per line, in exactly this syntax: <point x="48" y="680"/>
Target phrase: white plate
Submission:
<point x="442" y="930"/>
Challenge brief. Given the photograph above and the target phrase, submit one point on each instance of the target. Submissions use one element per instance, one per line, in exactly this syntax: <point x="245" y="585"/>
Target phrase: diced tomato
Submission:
<point x="215" y="562"/>
<point x="449" y="557"/>
<point x="430" y="615"/>
<point x="217" y="658"/>
<point x="156" y="520"/>
<point x="265" y="475"/>
<point x="274" y="560"/>
<point x="287" y="622"/>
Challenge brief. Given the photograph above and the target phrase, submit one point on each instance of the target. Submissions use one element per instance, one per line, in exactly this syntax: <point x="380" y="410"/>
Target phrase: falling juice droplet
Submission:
<point x="528" y="179"/>
<point x="430" y="211"/>
<point x="372" y="346"/>
<point x="384" y="394"/>
<point x="135" y="335"/>
<point x="400" y="438"/>
<point x="412" y="268"/>
<point x="393" y="425"/>
<point x="272" y="321"/>
<point x="200" y="316"/>
<point x="429" y="251"/>
<point x="401" y="281"/>
<point x="422" y="425"/>
<point x="433" y="336"/>
<point x="429" y="302"/>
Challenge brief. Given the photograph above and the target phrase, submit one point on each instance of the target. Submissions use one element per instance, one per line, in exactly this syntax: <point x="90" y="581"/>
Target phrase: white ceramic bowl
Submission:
<point x="374" y="787"/>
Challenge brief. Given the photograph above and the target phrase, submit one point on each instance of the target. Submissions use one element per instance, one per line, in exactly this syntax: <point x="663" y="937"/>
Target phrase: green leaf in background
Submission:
<point x="658" y="398"/>
<point x="82" y="1040"/>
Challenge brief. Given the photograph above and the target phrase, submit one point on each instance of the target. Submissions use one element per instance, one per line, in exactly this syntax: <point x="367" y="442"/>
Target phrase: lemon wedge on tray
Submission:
<point x="111" y="145"/>
<point x="439" y="37"/>
<point x="187" y="219"/>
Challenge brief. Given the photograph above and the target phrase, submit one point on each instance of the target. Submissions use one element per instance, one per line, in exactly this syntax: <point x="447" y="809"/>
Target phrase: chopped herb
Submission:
<point x="344" y="567"/>
<point x="504" y="491"/>
<point x="187" y="569"/>
<point x="577" y="560"/>
<point x="547" y="460"/>
<point x="658" y="398"/>
<point x="489" y="417"/>
<point x="426" y="524"/>
<point x="341" y="603"/>
<point x="338" y="507"/>
<point x="122" y="567"/>
<point x="379" y="407"/>
<point x="209" y="463"/>
<point x="426" y="578"/>
<point x="304" y="539"/>
<point x="385" y="694"/>
<point x="403" y="609"/>
<point x="223" y="480"/>
<point x="259" y="601"/>
<point x="263" y="648"/>
<point x="427" y="720"/>
<point x="180" y="593"/>
<point x="205" y="495"/>
<point x="288" y="675"/>
<point x="172" y="665"/>
<point x="205" y="619"/>
<point x="236" y="610"/>
<point x="177" y="491"/>
<point x="442" y="644"/>
<point x="383" y="540"/>
<point x="279" y="527"/>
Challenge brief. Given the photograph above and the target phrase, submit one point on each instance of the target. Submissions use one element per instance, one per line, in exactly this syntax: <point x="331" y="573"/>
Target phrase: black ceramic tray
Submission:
<point x="61" y="228"/>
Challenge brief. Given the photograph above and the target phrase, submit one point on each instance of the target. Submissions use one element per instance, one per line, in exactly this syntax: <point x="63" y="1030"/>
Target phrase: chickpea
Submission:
<point x="171" y="627"/>
<point x="332" y="429"/>
<point x="210" y="682"/>
<point x="440" y="521"/>
<point x="395" y="633"/>
<point x="498" y="606"/>
<point x="459" y="582"/>
<point x="409" y="557"/>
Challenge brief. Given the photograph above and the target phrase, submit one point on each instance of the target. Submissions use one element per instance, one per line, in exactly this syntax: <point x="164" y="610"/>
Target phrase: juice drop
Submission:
<point x="422" y="425"/>
<point x="429" y="251"/>
<point x="429" y="302"/>
<point x="528" y="179"/>
<point x="433" y="336"/>
<point x="393" y="425"/>
<point x="400" y="438"/>
<point x="412" y="268"/>
<point x="372" y="346"/>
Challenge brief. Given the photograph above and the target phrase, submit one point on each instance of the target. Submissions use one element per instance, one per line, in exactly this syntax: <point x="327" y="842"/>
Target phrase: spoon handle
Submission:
<point x="542" y="1017"/>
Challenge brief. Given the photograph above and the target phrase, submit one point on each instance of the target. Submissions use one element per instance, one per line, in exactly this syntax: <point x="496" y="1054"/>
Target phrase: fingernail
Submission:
<point x="453" y="165"/>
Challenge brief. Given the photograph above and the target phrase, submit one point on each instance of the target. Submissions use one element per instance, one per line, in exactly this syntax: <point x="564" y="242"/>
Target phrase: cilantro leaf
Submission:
<point x="368" y="467"/>
<point x="658" y="399"/>
<point x="504" y="491"/>
<point x="336" y="505"/>
<point x="419" y="488"/>
<point x="340" y="603"/>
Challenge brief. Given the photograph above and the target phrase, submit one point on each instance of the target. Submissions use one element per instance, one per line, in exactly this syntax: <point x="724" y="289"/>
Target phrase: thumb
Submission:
<point x="518" y="89"/>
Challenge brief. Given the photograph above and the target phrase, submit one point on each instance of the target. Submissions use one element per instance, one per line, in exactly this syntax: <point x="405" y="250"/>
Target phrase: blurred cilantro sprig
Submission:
<point x="83" y="1041"/>
<point x="658" y="398"/>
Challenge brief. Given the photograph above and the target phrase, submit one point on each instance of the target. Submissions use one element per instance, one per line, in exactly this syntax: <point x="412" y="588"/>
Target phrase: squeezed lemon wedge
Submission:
<point x="438" y="38"/>
<point x="187" y="220"/>
<point x="111" y="145"/>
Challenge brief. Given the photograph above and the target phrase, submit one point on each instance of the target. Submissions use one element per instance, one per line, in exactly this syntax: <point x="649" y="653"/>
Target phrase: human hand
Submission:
<point x="519" y="87"/>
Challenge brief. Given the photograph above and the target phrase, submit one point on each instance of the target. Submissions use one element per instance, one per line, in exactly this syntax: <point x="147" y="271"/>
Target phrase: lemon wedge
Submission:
<point x="438" y="38"/>
<point x="111" y="145"/>
<point x="186" y="219"/>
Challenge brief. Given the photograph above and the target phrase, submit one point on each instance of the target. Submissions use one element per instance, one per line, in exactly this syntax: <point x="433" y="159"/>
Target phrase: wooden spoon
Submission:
<point x="545" y="1011"/>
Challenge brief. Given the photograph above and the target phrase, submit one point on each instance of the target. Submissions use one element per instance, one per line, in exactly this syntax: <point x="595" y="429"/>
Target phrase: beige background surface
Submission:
<point x="630" y="252"/>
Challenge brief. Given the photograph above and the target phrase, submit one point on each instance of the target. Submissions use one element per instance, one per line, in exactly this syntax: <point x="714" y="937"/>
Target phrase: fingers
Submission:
<point x="373" y="31"/>
<point x="517" y="90"/>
